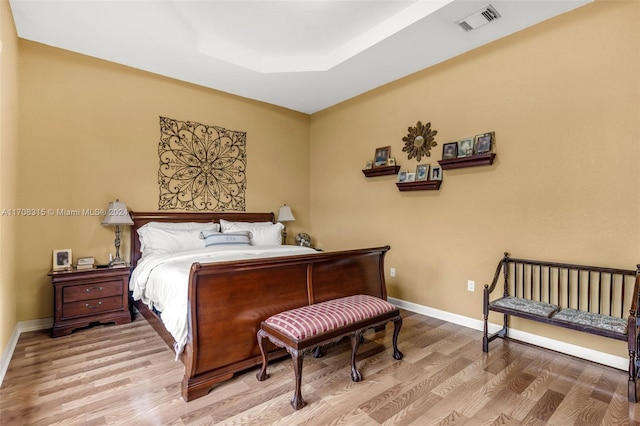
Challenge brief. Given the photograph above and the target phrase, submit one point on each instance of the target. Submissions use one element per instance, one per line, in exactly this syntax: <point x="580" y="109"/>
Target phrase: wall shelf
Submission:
<point x="422" y="185"/>
<point x="472" y="161"/>
<point x="381" y="171"/>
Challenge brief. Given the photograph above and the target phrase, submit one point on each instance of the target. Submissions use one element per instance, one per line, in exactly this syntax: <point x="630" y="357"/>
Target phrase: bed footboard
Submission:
<point x="229" y="300"/>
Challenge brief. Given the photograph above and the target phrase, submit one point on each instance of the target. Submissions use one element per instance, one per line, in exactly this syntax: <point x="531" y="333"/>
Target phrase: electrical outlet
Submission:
<point x="392" y="272"/>
<point x="471" y="285"/>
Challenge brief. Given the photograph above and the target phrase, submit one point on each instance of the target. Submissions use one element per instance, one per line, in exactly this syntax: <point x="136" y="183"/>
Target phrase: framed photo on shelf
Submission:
<point x="381" y="158"/>
<point x="411" y="176"/>
<point x="450" y="150"/>
<point x="422" y="172"/>
<point x="465" y="147"/>
<point x="62" y="259"/>
<point x="392" y="161"/>
<point x="436" y="173"/>
<point x="402" y="176"/>
<point x="368" y="165"/>
<point x="484" y="143"/>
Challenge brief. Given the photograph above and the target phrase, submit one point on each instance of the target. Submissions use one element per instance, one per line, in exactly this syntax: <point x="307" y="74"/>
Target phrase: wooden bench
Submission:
<point x="590" y="299"/>
<point x="301" y="330"/>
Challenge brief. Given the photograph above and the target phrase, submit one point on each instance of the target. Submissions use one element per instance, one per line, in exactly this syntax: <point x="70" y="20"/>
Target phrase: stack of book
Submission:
<point x="85" y="263"/>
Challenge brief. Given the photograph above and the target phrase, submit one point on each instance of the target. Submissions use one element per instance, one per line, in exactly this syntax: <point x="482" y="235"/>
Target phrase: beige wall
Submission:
<point x="89" y="133"/>
<point x="8" y="171"/>
<point x="564" y="100"/>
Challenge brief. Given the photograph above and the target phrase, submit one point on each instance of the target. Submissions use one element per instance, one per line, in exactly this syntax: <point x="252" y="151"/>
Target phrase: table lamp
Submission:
<point x="117" y="214"/>
<point x="285" y="215"/>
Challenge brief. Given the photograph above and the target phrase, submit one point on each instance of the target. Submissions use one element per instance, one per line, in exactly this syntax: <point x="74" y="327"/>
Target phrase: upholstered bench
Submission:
<point x="301" y="330"/>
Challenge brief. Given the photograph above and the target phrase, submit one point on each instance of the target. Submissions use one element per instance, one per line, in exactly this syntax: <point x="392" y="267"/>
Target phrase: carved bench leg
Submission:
<point x="633" y="391"/>
<point x="355" y="344"/>
<point x="397" y="324"/>
<point x="297" y="402"/>
<point x="485" y="333"/>
<point x="633" y="377"/>
<point x="262" y="374"/>
<point x="505" y="325"/>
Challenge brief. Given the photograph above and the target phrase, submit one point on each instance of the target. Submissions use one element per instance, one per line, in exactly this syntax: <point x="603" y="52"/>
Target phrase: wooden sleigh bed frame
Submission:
<point x="228" y="300"/>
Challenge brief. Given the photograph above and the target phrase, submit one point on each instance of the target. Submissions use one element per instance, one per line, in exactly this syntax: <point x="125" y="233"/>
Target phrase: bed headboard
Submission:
<point x="141" y="218"/>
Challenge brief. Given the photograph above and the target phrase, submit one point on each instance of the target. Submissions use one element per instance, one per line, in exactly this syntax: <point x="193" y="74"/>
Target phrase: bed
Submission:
<point x="228" y="299"/>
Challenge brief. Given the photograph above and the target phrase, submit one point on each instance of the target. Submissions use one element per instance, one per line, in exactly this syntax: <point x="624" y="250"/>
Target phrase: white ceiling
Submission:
<point x="305" y="55"/>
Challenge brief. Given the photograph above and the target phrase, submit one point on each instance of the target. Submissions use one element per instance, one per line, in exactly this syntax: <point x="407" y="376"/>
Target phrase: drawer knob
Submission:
<point x="92" y="307"/>
<point x="94" y="288"/>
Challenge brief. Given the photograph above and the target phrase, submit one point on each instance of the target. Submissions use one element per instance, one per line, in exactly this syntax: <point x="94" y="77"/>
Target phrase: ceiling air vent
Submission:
<point x="479" y="18"/>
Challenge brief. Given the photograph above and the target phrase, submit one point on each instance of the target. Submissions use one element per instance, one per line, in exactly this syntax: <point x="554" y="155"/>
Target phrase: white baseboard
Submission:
<point x="620" y="363"/>
<point x="21" y="327"/>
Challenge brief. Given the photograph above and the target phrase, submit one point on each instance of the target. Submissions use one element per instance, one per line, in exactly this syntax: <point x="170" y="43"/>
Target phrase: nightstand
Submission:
<point x="87" y="296"/>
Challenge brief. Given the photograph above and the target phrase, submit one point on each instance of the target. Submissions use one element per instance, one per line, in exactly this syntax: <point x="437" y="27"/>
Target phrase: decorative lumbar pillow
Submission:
<point x="164" y="237"/>
<point x="226" y="225"/>
<point x="261" y="235"/>
<point x="225" y="239"/>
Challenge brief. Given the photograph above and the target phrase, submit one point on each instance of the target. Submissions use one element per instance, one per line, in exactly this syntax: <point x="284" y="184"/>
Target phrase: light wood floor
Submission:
<point x="126" y="375"/>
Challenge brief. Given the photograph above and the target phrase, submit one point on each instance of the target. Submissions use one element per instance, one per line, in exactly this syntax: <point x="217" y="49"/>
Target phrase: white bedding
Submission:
<point x="161" y="281"/>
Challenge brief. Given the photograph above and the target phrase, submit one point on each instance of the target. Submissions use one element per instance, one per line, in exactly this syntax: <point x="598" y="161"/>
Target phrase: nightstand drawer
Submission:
<point x="91" y="307"/>
<point x="92" y="291"/>
<point x="82" y="298"/>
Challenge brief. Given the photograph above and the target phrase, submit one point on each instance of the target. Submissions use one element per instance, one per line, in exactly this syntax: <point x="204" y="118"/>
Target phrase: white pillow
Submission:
<point x="261" y="235"/>
<point x="162" y="238"/>
<point x="225" y="224"/>
<point x="225" y="239"/>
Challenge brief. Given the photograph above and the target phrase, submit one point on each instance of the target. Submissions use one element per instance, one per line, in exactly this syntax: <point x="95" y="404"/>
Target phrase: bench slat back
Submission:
<point x="606" y="291"/>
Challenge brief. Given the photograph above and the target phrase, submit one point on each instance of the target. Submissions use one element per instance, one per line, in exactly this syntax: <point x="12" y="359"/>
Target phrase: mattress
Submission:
<point x="161" y="281"/>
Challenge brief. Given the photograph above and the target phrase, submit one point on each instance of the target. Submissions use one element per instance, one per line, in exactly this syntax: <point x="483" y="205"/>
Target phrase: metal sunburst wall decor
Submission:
<point x="201" y="167"/>
<point x="419" y="141"/>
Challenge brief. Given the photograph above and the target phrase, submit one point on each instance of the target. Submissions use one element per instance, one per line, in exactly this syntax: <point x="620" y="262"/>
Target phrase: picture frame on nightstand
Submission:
<point x="62" y="259"/>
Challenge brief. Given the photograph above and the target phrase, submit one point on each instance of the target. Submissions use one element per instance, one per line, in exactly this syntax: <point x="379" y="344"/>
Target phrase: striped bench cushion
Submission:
<point x="308" y="321"/>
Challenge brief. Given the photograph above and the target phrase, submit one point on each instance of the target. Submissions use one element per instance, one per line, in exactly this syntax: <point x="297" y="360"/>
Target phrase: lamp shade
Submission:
<point x="117" y="214"/>
<point x="285" y="215"/>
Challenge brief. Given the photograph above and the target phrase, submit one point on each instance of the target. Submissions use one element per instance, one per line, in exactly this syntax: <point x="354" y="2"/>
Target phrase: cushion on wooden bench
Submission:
<point x="311" y="320"/>
<point x="593" y="320"/>
<point x="527" y="306"/>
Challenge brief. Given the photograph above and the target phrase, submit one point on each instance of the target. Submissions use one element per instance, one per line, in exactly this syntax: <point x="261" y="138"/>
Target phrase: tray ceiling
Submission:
<point x="301" y="55"/>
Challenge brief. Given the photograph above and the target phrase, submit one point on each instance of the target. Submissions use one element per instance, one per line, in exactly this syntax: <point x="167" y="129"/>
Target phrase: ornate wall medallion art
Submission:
<point x="419" y="141"/>
<point x="201" y="167"/>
